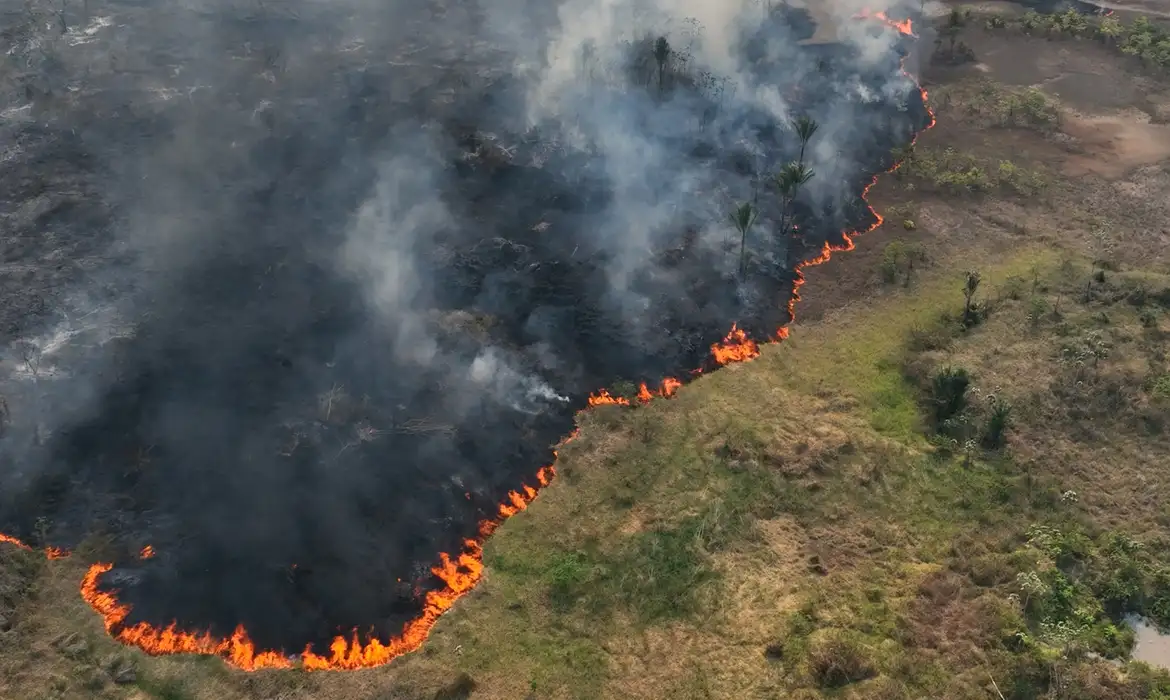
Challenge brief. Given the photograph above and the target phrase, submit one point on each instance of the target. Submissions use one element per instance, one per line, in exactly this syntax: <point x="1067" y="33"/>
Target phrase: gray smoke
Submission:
<point x="318" y="282"/>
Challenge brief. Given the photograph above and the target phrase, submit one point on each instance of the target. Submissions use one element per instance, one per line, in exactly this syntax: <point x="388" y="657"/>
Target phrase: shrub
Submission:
<point x="898" y="257"/>
<point x="995" y="435"/>
<point x="1030" y="108"/>
<point x="1161" y="387"/>
<point x="949" y="392"/>
<point x="1037" y="307"/>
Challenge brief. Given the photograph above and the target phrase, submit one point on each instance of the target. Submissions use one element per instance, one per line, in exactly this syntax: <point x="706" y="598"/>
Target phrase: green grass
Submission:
<point x="867" y="361"/>
<point x="661" y="573"/>
<point x="166" y="689"/>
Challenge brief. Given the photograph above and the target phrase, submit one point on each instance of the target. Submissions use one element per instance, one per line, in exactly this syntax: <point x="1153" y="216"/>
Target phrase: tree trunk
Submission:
<point x="742" y="250"/>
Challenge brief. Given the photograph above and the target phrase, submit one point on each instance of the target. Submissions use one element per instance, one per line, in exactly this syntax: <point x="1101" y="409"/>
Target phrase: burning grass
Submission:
<point x="800" y="525"/>
<point x="748" y="514"/>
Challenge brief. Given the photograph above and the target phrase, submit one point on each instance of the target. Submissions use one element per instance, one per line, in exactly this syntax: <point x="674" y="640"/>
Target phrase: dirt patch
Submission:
<point x="1116" y="145"/>
<point x="1094" y="90"/>
<point x="1153" y="8"/>
<point x="1082" y="73"/>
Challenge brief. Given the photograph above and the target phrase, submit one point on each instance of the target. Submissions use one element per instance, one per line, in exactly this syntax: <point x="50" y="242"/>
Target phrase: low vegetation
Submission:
<point x="991" y="104"/>
<point x="953" y="172"/>
<point x="1140" y="38"/>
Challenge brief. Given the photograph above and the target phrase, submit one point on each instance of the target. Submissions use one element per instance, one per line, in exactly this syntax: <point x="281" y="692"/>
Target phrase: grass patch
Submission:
<point x="661" y="573"/>
<point x="166" y="688"/>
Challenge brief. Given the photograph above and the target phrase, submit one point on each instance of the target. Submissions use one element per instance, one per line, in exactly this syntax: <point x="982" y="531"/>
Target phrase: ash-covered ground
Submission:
<point x="296" y="292"/>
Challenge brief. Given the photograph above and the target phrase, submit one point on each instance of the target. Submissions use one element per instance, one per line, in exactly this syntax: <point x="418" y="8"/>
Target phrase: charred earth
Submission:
<point x="303" y="303"/>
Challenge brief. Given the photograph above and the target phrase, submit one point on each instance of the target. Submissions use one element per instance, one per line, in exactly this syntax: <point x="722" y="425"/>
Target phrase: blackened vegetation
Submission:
<point x="268" y="430"/>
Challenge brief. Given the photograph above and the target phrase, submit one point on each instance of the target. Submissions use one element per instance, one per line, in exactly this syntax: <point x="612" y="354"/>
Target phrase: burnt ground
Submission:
<point x="792" y="527"/>
<point x="191" y="367"/>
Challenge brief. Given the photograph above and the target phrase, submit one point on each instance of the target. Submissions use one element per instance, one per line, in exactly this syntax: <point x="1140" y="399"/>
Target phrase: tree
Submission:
<point x="788" y="181"/>
<point x="969" y="288"/>
<point x="742" y="217"/>
<point x="956" y="20"/>
<point x="661" y="56"/>
<point x="805" y="127"/>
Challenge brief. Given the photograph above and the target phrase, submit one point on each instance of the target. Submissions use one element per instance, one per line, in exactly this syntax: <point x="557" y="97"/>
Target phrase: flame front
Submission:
<point x="459" y="573"/>
<point x="904" y="26"/>
<point x="666" y="388"/>
<point x="735" y="347"/>
<point x="50" y="552"/>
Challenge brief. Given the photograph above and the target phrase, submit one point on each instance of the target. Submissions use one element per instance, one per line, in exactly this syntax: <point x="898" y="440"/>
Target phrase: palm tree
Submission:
<point x="742" y="217"/>
<point x="788" y="181"/>
<point x="805" y="127"/>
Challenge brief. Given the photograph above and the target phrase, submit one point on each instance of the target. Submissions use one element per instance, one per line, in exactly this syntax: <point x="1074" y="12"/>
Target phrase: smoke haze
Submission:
<point x="297" y="292"/>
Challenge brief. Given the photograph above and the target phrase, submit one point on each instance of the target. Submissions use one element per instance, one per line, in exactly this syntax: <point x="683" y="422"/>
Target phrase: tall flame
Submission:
<point x="735" y="347"/>
<point x="459" y="573"/>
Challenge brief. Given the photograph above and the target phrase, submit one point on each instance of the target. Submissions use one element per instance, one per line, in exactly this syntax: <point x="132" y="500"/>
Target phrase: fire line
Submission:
<point x="461" y="572"/>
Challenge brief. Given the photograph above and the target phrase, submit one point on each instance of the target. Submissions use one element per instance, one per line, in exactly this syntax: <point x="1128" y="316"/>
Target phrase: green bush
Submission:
<point x="961" y="173"/>
<point x="1141" y="38"/>
<point x="899" y="258"/>
<point x="949" y="392"/>
<point x="1161" y="387"/>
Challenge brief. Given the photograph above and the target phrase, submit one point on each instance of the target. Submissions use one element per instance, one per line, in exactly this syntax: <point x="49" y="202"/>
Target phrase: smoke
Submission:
<point x="336" y="275"/>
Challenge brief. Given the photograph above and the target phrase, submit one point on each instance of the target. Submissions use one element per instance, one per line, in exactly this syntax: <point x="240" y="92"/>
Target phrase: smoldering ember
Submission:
<point x="335" y="278"/>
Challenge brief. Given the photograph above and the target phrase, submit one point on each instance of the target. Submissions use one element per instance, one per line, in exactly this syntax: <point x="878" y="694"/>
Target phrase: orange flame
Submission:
<point x="459" y="574"/>
<point x="904" y="26"/>
<point x="50" y="552"/>
<point x="14" y="542"/>
<point x="736" y="347"/>
<point x="146" y="553"/>
<point x="603" y="398"/>
<point x="828" y="249"/>
<point x="666" y="389"/>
